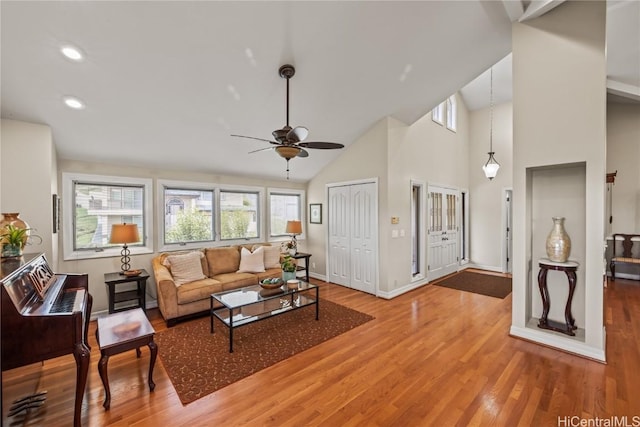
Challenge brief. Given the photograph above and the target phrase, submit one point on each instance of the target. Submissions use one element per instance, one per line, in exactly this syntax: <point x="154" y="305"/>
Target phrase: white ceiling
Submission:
<point x="166" y="83"/>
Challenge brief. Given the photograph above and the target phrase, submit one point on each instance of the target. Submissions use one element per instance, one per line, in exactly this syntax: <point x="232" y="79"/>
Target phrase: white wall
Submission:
<point x="486" y="199"/>
<point x="395" y="153"/>
<point x="623" y="155"/>
<point x="559" y="100"/>
<point x="28" y="172"/>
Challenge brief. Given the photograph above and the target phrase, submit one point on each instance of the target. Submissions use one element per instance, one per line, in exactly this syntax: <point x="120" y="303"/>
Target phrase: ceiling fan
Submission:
<point x="289" y="142"/>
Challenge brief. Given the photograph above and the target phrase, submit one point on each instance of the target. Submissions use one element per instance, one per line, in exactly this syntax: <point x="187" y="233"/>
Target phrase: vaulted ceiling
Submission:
<point x="166" y="83"/>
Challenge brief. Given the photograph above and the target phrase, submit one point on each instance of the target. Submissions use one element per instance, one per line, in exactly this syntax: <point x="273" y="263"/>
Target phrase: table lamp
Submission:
<point x="294" y="228"/>
<point x="124" y="233"/>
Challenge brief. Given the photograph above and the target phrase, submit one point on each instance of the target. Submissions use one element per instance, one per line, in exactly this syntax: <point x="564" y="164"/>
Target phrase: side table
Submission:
<point x="138" y="294"/>
<point x="569" y="268"/>
<point x="302" y="255"/>
<point x="120" y="332"/>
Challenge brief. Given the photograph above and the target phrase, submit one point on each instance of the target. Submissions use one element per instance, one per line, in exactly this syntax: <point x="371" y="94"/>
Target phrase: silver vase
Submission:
<point x="558" y="241"/>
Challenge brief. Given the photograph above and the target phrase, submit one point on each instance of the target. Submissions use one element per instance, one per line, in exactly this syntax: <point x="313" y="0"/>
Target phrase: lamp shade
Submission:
<point x="124" y="233"/>
<point x="294" y="227"/>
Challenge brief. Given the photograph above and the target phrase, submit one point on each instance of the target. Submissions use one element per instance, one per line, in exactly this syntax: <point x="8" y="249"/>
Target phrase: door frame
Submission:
<point x="507" y="218"/>
<point x="373" y="181"/>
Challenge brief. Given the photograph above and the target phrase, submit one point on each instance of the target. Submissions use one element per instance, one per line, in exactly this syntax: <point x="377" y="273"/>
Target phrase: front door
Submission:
<point x="443" y="231"/>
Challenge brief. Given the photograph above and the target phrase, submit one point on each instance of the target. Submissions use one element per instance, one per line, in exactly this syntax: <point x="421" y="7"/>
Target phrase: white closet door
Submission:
<point x="339" y="235"/>
<point x="364" y="223"/>
<point x="443" y="231"/>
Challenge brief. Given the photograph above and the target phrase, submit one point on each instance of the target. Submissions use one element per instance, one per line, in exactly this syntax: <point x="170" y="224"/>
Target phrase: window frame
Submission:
<point x="163" y="184"/>
<point x="260" y="210"/>
<point x="291" y="192"/>
<point x="437" y="114"/>
<point x="452" y="113"/>
<point x="68" y="198"/>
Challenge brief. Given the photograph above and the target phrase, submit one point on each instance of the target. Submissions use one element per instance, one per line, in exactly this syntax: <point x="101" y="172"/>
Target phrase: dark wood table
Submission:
<point x="305" y="256"/>
<point x="139" y="294"/>
<point x="120" y="332"/>
<point x="569" y="268"/>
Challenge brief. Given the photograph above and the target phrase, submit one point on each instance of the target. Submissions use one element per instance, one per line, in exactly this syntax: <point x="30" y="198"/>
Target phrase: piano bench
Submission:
<point x="120" y="332"/>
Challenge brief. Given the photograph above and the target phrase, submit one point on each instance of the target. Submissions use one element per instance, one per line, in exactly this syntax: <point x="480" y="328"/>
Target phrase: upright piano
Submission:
<point x="45" y="315"/>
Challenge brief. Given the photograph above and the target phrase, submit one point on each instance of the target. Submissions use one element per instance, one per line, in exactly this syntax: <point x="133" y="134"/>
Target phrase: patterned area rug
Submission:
<point x="199" y="363"/>
<point x="485" y="284"/>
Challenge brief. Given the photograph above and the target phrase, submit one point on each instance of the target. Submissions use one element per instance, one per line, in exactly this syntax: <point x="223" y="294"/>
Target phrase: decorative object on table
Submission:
<point x="558" y="242"/>
<point x="491" y="167"/>
<point x="288" y="141"/>
<point x="294" y="228"/>
<point x="132" y="273"/>
<point x="125" y="234"/>
<point x="14" y="235"/>
<point x="288" y="268"/>
<point x="271" y="283"/>
<point x="315" y="213"/>
<point x="293" y="283"/>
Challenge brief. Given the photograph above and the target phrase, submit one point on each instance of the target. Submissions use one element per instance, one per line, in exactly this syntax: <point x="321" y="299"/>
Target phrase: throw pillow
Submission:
<point x="271" y="257"/>
<point x="185" y="268"/>
<point x="251" y="262"/>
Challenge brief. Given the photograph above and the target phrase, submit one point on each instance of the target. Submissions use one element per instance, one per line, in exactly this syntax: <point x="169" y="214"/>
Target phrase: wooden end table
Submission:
<point x="120" y="332"/>
<point x="569" y="269"/>
<point x="138" y="294"/>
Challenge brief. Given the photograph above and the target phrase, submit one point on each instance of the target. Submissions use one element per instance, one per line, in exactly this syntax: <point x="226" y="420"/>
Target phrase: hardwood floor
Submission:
<point x="433" y="356"/>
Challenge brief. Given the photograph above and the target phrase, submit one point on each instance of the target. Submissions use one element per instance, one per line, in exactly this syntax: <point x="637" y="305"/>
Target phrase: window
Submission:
<point x="452" y="113"/>
<point x="188" y="213"/>
<point x="284" y="205"/>
<point x="437" y="114"/>
<point x="239" y="214"/>
<point x="94" y="203"/>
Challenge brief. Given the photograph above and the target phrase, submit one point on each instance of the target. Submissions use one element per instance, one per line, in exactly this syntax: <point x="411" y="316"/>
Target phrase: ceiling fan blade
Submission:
<point x="303" y="153"/>
<point x="297" y="134"/>
<point x="321" y="145"/>
<point x="261" y="149"/>
<point x="258" y="139"/>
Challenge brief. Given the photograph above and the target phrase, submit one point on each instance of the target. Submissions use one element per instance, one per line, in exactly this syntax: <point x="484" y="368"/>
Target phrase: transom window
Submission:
<point x="452" y="113"/>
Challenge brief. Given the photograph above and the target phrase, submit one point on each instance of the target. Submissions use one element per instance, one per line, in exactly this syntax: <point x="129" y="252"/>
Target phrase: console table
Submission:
<point x="569" y="267"/>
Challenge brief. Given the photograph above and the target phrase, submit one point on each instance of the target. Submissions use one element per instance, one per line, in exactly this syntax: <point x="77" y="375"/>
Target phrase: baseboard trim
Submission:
<point x="560" y="343"/>
<point x="151" y="303"/>
<point x="484" y="267"/>
<point x="403" y="290"/>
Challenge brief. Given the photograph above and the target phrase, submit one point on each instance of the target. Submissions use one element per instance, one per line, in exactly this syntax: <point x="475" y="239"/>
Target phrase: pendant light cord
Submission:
<point x="491" y="112"/>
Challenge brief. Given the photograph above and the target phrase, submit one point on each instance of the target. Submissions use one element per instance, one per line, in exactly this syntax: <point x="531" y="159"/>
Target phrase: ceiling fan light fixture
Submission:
<point x="288" y="151"/>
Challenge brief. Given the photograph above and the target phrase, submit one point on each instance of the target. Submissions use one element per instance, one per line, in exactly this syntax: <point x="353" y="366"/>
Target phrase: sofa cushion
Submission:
<point x="185" y="268"/>
<point x="222" y="260"/>
<point x="251" y="262"/>
<point x="198" y="290"/>
<point x="271" y="257"/>
<point x="205" y="267"/>
<point x="236" y="280"/>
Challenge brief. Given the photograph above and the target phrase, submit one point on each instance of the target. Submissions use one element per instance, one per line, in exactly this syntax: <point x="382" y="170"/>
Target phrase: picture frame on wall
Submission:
<point x="315" y="213"/>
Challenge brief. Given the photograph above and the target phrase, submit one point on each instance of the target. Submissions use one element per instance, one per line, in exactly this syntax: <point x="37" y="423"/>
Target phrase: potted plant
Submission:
<point x="14" y="239"/>
<point x="288" y="265"/>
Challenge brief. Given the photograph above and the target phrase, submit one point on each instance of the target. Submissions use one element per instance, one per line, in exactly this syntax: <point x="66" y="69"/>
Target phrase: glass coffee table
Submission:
<point x="246" y="305"/>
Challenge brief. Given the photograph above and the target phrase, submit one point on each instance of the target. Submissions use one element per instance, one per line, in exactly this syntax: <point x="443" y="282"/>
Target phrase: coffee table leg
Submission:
<point x="317" y="303"/>
<point x="153" y="347"/>
<point x="102" y="369"/>
<point x="211" y="312"/>
<point x="230" y="331"/>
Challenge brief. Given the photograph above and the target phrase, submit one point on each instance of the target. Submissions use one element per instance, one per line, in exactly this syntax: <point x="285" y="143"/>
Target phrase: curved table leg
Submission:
<point x="153" y="347"/>
<point x="544" y="293"/>
<point x="568" y="317"/>
<point x="81" y="354"/>
<point x="102" y="369"/>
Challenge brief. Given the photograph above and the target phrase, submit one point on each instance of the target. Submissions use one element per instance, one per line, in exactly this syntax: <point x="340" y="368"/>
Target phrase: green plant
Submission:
<point x="14" y="236"/>
<point x="288" y="264"/>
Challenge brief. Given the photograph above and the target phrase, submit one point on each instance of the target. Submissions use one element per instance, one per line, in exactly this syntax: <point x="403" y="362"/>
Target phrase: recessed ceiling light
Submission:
<point x="73" y="102"/>
<point x="72" y="53"/>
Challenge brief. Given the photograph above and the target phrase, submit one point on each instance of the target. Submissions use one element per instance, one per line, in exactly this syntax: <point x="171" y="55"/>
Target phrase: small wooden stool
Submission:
<point x="120" y="332"/>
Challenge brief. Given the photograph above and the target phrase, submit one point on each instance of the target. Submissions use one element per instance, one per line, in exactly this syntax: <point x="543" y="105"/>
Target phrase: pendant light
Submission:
<point x="491" y="167"/>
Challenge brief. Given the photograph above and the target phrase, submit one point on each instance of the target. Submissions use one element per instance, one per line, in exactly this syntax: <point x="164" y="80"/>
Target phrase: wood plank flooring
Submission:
<point x="434" y="356"/>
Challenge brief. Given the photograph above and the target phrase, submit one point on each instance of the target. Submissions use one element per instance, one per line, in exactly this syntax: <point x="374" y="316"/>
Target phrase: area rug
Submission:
<point x="485" y="284"/>
<point x="199" y="363"/>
